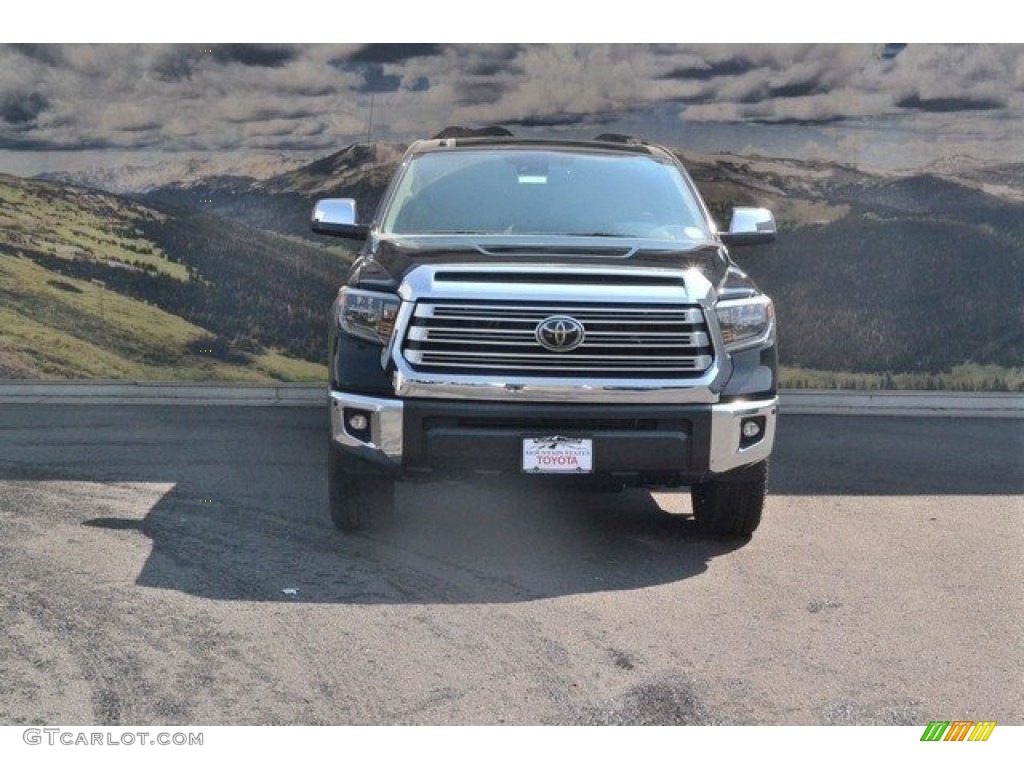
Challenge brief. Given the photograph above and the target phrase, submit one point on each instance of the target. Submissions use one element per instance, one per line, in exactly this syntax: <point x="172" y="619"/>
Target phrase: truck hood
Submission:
<point x="386" y="261"/>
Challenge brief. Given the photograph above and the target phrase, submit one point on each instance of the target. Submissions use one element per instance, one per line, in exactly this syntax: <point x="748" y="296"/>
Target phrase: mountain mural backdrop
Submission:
<point x="910" y="280"/>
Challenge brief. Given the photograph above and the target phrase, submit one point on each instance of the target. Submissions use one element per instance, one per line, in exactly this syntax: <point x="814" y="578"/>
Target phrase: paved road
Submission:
<point x="146" y="554"/>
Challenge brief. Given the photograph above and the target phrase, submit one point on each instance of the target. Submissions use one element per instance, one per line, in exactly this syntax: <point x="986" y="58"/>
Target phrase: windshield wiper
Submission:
<point x="450" y="232"/>
<point x="595" y="234"/>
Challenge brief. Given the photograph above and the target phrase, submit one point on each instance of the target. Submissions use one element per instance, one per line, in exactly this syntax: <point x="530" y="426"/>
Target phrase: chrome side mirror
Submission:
<point x="337" y="217"/>
<point x="750" y="226"/>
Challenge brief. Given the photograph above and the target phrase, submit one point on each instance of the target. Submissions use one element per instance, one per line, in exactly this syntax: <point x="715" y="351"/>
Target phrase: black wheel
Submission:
<point x="731" y="504"/>
<point x="356" y="500"/>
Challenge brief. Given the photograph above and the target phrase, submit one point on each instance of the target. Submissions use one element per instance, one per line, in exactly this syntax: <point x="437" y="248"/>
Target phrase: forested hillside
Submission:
<point x="97" y="286"/>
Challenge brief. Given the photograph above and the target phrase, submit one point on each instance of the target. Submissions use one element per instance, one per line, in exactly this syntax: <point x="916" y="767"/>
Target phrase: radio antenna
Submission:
<point x="369" y="122"/>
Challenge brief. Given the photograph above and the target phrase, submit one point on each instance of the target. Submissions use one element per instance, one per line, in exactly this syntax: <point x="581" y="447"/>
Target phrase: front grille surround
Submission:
<point x="562" y="288"/>
<point x="498" y="338"/>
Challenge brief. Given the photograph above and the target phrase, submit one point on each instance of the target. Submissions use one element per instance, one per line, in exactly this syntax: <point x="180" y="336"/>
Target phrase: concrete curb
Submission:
<point x="162" y="393"/>
<point x="811" y="402"/>
<point x="1002" y="405"/>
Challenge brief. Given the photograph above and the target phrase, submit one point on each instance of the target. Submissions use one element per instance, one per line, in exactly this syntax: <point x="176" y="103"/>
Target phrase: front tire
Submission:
<point x="731" y="504"/>
<point x="356" y="501"/>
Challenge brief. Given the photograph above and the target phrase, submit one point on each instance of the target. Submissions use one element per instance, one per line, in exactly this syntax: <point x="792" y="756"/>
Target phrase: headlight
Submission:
<point x="368" y="315"/>
<point x="746" y="322"/>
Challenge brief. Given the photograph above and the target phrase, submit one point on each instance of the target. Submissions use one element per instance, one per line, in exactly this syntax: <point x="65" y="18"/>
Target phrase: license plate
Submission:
<point x="558" y="455"/>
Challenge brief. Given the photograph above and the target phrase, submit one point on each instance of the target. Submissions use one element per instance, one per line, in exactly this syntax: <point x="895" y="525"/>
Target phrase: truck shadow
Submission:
<point x="245" y="517"/>
<point x="445" y="544"/>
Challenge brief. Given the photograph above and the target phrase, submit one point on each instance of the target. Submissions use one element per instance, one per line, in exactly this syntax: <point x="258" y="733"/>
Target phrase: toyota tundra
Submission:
<point x="549" y="309"/>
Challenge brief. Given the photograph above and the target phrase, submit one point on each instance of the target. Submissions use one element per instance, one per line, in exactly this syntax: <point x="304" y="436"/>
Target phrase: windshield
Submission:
<point x="544" y="192"/>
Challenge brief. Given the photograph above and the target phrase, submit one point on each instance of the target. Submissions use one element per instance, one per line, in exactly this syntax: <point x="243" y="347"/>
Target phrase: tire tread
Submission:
<point x="732" y="504"/>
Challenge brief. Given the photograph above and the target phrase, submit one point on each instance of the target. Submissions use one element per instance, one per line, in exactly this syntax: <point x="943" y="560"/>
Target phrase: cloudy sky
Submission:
<point x="882" y="105"/>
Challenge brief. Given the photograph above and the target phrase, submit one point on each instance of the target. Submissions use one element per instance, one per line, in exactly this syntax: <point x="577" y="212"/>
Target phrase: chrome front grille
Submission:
<point x="626" y="340"/>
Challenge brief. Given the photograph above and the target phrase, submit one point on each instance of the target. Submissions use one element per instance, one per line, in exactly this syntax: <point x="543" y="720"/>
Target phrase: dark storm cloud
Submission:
<point x="562" y="120"/>
<point x="382" y="67"/>
<point x="491" y="60"/>
<point x="29" y="144"/>
<point x="264" y="114"/>
<point x="479" y="92"/>
<point x="547" y="121"/>
<point x="487" y="73"/>
<point x="179" y="62"/>
<point x="950" y="104"/>
<point x="44" y="53"/>
<point x="394" y="53"/>
<point x="704" y="96"/>
<point x="375" y="80"/>
<point x="754" y="95"/>
<point x="254" y="54"/>
<point x="21" y="110"/>
<point x="311" y="90"/>
<point x="210" y="97"/>
<point x="492" y="68"/>
<point x="892" y="50"/>
<point x="798" y="89"/>
<point x="736" y="65"/>
<point x="141" y="127"/>
<point x="806" y="123"/>
<point x="174" y="65"/>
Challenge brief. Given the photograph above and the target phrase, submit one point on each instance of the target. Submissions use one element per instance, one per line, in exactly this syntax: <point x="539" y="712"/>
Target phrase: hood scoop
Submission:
<point x="610" y="252"/>
<point x="639" y="278"/>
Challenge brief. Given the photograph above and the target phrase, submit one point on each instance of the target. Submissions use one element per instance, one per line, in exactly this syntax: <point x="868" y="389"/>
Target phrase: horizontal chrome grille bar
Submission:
<point x="699" y="364"/>
<point x="684" y="344"/>
<point x="539" y="312"/>
<point x="523" y="329"/>
<point x="555" y="359"/>
<point x="593" y="340"/>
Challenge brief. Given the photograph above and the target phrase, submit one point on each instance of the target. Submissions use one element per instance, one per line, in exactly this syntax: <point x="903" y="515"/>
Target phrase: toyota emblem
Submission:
<point x="559" y="333"/>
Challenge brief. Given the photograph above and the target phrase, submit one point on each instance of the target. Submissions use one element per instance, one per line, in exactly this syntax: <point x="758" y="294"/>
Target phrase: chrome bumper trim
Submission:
<point x="611" y="391"/>
<point x="385" y="444"/>
<point x="726" y="453"/>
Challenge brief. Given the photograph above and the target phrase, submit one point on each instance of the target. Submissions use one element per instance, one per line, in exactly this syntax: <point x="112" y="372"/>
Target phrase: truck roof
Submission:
<point x="605" y="142"/>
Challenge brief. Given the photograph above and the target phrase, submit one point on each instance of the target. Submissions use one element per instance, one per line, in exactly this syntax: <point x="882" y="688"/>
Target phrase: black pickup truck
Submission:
<point x="558" y="310"/>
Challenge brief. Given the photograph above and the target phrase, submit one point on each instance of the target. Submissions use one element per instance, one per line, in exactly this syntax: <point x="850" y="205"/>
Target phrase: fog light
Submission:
<point x="357" y="423"/>
<point x="751" y="430"/>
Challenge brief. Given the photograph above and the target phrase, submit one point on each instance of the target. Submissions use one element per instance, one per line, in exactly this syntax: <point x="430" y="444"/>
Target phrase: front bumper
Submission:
<point x="649" y="444"/>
